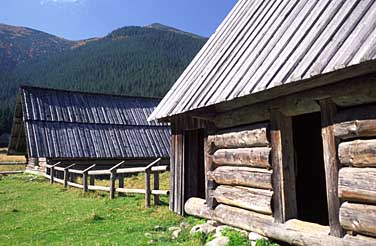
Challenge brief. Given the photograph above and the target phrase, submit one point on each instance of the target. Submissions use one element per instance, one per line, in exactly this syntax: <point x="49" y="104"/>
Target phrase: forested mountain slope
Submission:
<point x="130" y="61"/>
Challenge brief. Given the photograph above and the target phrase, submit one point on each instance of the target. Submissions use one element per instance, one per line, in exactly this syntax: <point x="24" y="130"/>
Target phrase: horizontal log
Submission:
<point x="242" y="139"/>
<point x="61" y="181"/>
<point x="134" y="191"/>
<point x="357" y="184"/>
<point x="361" y="240"/>
<point x="75" y="171"/>
<point x="10" y="172"/>
<point x="13" y="163"/>
<point x="74" y="185"/>
<point x="359" y="218"/>
<point x="61" y="169"/>
<point x="99" y="172"/>
<point x="141" y="169"/>
<point x="244" y="197"/>
<point x="253" y="157"/>
<point x="305" y="234"/>
<point x="356" y="128"/>
<point x="358" y="153"/>
<point x="97" y="187"/>
<point x="242" y="176"/>
<point x="160" y="192"/>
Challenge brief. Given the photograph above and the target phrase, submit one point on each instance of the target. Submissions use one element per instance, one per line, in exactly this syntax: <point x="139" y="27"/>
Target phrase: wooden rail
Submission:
<point x="116" y="173"/>
<point x="12" y="164"/>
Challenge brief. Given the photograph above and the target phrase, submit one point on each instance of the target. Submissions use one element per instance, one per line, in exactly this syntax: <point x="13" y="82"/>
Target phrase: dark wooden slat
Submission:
<point x="284" y="196"/>
<point x="332" y="164"/>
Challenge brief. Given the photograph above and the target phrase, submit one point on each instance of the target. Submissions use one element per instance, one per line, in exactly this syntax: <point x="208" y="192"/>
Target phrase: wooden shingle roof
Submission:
<point x="262" y="45"/>
<point x="65" y="124"/>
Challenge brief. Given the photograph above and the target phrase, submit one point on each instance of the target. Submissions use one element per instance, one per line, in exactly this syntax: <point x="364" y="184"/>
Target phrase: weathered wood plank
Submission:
<point x="253" y="157"/>
<point x="359" y="218"/>
<point x="97" y="187"/>
<point x="357" y="184"/>
<point x="156" y="187"/>
<point x="264" y="225"/>
<point x="284" y="197"/>
<point x="358" y="153"/>
<point x="332" y="165"/>
<point x="242" y="176"/>
<point x="256" y="137"/>
<point x="248" y="198"/>
<point x="147" y="188"/>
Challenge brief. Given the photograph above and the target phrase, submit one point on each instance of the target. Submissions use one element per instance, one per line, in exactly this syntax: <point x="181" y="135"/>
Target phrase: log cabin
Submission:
<point x="84" y="128"/>
<point x="274" y="123"/>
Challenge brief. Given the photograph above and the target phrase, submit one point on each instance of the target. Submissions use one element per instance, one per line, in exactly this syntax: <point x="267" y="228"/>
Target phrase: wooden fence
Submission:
<point x="12" y="164"/>
<point x="115" y="172"/>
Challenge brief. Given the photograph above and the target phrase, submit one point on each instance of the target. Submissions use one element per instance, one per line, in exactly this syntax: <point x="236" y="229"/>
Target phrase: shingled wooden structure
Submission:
<point x="86" y="128"/>
<point x="274" y="123"/>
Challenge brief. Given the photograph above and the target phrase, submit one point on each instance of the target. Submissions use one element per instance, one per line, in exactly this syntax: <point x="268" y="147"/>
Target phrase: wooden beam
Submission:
<point x="358" y="153"/>
<point x="156" y="187"/>
<point x="147" y="188"/>
<point x="293" y="232"/>
<point x="359" y="218"/>
<point x="357" y="184"/>
<point x="253" y="157"/>
<point x="210" y="184"/>
<point x="332" y="164"/>
<point x="282" y="155"/>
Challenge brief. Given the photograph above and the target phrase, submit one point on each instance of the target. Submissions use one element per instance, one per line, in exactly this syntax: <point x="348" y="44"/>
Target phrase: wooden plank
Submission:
<point x="121" y="182"/>
<point x="99" y="172"/>
<point x="358" y="153"/>
<point x="255" y="137"/>
<point x="160" y="192"/>
<point x="135" y="191"/>
<point x="253" y="157"/>
<point x="100" y="188"/>
<point x="332" y="165"/>
<point x="284" y="197"/>
<point x="264" y="225"/>
<point x="357" y="184"/>
<point x="248" y="198"/>
<point x="75" y="171"/>
<point x="242" y="176"/>
<point x="359" y="218"/>
<point x="75" y="185"/>
<point x="142" y="169"/>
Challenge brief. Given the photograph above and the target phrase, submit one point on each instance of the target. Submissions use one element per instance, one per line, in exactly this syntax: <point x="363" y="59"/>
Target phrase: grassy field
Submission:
<point x="33" y="212"/>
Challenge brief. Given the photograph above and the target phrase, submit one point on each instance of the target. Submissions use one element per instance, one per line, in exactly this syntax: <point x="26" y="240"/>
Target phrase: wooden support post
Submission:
<point x="52" y="172"/>
<point x="85" y="182"/>
<point x="121" y="183"/>
<point x="113" y="179"/>
<point x="147" y="188"/>
<point x="332" y="165"/>
<point x="209" y="167"/>
<point x="66" y="175"/>
<point x="284" y="198"/>
<point x="92" y="180"/>
<point x="156" y="187"/>
<point x="112" y="184"/>
<point x="85" y="177"/>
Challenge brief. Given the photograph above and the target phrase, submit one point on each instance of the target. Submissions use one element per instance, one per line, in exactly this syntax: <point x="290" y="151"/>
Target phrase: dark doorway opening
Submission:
<point x="194" y="161"/>
<point x="309" y="169"/>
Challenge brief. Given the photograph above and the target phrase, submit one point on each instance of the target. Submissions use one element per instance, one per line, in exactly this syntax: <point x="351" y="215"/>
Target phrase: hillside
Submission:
<point x="130" y="61"/>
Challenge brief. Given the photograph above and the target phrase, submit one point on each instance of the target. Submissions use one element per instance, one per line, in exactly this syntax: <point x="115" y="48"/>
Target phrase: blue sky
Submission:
<point x="80" y="19"/>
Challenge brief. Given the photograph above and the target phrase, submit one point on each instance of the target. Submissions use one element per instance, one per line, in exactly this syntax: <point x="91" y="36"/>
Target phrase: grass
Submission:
<point x="33" y="212"/>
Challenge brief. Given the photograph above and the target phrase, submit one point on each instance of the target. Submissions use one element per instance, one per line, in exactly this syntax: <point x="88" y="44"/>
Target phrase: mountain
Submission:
<point x="21" y="45"/>
<point x="128" y="61"/>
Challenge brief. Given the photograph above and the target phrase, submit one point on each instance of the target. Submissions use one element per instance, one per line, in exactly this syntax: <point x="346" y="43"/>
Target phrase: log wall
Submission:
<point x="239" y="169"/>
<point x="355" y="130"/>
